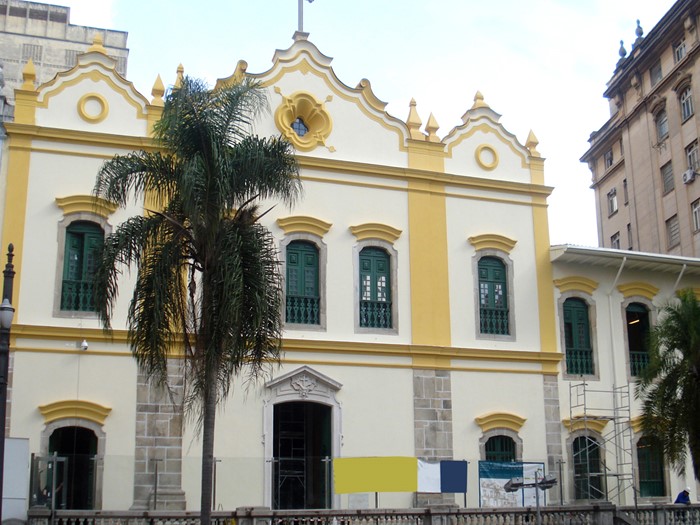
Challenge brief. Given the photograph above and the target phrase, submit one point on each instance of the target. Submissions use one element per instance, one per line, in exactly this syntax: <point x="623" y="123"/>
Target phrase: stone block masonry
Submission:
<point x="432" y="422"/>
<point x="159" y="443"/>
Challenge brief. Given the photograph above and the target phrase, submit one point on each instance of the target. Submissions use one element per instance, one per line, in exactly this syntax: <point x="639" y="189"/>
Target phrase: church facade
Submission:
<point x="427" y="315"/>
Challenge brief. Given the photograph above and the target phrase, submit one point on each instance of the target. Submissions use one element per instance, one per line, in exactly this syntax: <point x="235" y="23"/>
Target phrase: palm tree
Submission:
<point x="208" y="271"/>
<point x="670" y="384"/>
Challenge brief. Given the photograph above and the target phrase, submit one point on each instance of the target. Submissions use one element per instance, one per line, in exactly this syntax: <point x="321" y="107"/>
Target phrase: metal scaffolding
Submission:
<point x="602" y="470"/>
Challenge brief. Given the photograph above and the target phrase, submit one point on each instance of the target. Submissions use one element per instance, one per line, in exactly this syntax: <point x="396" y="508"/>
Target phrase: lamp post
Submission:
<point x="6" y="314"/>
<point x="547" y="482"/>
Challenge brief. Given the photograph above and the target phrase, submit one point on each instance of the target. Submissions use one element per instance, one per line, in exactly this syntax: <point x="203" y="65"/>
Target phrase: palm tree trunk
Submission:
<point x="208" y="424"/>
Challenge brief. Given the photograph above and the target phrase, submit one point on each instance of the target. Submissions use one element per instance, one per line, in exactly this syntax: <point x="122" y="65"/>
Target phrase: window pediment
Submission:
<point x="304" y="383"/>
<point x="658" y="104"/>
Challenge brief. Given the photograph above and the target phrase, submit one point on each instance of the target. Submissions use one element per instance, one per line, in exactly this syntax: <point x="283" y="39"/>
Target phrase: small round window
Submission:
<point x="299" y="127"/>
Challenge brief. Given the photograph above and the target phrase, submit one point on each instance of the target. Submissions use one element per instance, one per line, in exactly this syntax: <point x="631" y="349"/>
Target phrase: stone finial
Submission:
<point x="29" y="75"/>
<point x="157" y="92"/>
<point x="414" y="121"/>
<point x="640" y="33"/>
<point x="431" y="128"/>
<point x="479" y="101"/>
<point x="180" y="74"/>
<point x="97" y="45"/>
<point x="622" y="51"/>
<point x="531" y="144"/>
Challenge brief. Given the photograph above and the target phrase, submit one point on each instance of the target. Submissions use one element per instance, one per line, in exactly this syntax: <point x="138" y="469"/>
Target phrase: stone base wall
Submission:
<point x="553" y="428"/>
<point x="159" y="423"/>
<point x="432" y="421"/>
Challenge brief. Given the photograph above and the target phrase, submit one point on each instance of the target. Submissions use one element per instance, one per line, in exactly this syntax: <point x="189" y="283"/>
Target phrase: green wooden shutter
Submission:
<point x="83" y="241"/>
<point x="577" y="337"/>
<point x="375" y="288"/>
<point x="303" y="301"/>
<point x="650" y="461"/>
<point x="493" y="296"/>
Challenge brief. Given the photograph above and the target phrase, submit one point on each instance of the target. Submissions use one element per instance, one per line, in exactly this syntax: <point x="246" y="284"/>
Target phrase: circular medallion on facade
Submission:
<point x="93" y="108"/>
<point x="486" y="157"/>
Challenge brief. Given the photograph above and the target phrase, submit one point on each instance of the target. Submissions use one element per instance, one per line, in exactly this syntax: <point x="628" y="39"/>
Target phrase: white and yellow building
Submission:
<point x="424" y="304"/>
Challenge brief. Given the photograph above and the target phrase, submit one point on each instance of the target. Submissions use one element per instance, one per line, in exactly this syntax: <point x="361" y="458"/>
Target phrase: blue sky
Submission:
<point x="542" y="64"/>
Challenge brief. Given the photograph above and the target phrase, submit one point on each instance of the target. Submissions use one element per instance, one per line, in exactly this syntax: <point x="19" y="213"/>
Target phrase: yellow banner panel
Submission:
<point x="390" y="474"/>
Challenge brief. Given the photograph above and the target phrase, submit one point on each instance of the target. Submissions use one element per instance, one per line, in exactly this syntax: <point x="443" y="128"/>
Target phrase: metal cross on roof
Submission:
<point x="301" y="14"/>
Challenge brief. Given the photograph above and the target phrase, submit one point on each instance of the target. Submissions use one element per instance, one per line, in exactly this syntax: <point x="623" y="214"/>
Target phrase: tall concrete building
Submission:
<point x="44" y="33"/>
<point x="645" y="159"/>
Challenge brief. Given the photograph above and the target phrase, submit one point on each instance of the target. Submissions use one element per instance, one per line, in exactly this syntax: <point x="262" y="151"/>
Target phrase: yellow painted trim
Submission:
<point x="88" y="117"/>
<point x="500" y="420"/>
<point x="543" y="265"/>
<point x="26" y="333"/>
<point x="427" y="223"/>
<point x="74" y="408"/>
<point x="314" y="114"/>
<point x="576" y="283"/>
<point x="126" y="90"/>
<point x="375" y="230"/>
<point x="479" y="153"/>
<point x="70" y="136"/>
<point x="636" y="424"/>
<point x="492" y="241"/>
<point x="413" y="174"/>
<point x="638" y="288"/>
<point x="86" y="204"/>
<point x="581" y="423"/>
<point x="15" y="209"/>
<point x="432" y="362"/>
<point x="696" y="291"/>
<point x="304" y="224"/>
<point x="438" y="363"/>
<point x="496" y="129"/>
<point x="25" y="106"/>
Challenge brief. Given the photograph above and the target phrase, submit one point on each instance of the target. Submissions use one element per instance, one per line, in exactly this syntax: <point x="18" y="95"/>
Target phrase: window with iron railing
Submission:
<point x="302" y="300"/>
<point x="577" y="338"/>
<point x="375" y="288"/>
<point x="637" y="319"/>
<point x="83" y="242"/>
<point x="493" y="297"/>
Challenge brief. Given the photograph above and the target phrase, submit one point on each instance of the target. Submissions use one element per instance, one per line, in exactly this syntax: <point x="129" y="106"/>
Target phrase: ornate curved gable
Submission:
<point x="339" y="118"/>
<point x="93" y="97"/>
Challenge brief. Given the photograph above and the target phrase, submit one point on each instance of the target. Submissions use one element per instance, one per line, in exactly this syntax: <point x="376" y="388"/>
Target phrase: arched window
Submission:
<point x="588" y="474"/>
<point x="303" y="299"/>
<point x="500" y="448"/>
<point x="577" y="337"/>
<point x="650" y="464"/>
<point x="375" y="288"/>
<point x="661" y="121"/>
<point x="83" y="241"/>
<point x="686" y="100"/>
<point x="637" y="319"/>
<point x="493" y="297"/>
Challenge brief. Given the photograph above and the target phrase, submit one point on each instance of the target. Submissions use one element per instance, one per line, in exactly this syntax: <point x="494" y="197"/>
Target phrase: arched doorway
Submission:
<point x="78" y="446"/>
<point x="301" y="455"/>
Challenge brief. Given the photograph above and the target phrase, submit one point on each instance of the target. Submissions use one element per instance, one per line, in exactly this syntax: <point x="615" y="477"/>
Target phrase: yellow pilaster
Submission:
<point x="545" y="286"/>
<point x="427" y="218"/>
<point x="16" y="204"/>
